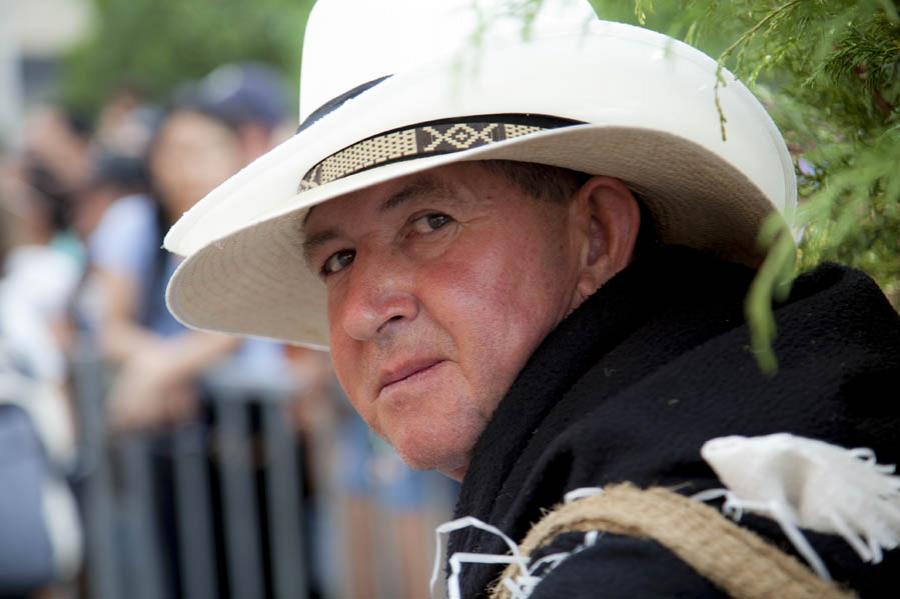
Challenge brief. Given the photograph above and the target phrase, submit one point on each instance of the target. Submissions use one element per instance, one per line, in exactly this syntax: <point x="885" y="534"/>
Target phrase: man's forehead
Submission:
<point x="441" y="182"/>
<point x="325" y="222"/>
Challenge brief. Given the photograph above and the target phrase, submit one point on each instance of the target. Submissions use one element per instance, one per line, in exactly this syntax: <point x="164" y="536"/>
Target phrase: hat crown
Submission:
<point x="649" y="107"/>
<point x="351" y="42"/>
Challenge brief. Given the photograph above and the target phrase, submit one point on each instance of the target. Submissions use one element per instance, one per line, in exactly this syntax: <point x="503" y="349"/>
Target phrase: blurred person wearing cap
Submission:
<point x="201" y="141"/>
<point x="166" y="376"/>
<point x="528" y="258"/>
<point x="249" y="95"/>
<point x="128" y="272"/>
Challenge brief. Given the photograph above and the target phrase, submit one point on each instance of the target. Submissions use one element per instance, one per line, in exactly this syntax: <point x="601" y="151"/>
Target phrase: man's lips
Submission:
<point x="405" y="370"/>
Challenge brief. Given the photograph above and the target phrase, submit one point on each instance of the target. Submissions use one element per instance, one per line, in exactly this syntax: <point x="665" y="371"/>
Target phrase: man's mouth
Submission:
<point x="405" y="371"/>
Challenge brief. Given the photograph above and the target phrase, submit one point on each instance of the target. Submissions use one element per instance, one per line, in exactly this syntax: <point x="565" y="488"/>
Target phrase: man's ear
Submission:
<point x="608" y="219"/>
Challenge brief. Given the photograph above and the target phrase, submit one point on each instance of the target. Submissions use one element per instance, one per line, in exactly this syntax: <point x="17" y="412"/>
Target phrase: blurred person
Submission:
<point x="156" y="364"/>
<point x="168" y="377"/>
<point x="158" y="358"/>
<point x="58" y="161"/>
<point x="39" y="275"/>
<point x="202" y="141"/>
<point x="114" y="176"/>
<point x="216" y="126"/>
<point x="39" y="527"/>
<point x="120" y="126"/>
<point x="60" y="141"/>
<point x="250" y="96"/>
<point x="125" y="127"/>
<point x="39" y="281"/>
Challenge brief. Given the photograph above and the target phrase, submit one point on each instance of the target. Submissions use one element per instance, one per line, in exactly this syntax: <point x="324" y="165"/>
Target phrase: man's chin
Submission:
<point x="419" y="454"/>
<point x="457" y="474"/>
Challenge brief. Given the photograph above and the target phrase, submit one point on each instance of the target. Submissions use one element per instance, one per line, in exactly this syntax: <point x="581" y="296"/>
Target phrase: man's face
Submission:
<point x="440" y="286"/>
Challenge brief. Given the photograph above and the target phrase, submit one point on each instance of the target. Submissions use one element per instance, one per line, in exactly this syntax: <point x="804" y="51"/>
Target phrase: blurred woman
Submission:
<point x="158" y="358"/>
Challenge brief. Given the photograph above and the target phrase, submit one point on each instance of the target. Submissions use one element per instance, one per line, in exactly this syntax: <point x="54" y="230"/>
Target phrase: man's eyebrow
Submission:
<point x="425" y="186"/>
<point x="314" y="241"/>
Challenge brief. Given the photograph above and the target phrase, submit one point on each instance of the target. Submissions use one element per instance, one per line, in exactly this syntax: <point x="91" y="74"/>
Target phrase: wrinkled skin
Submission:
<point x="442" y="284"/>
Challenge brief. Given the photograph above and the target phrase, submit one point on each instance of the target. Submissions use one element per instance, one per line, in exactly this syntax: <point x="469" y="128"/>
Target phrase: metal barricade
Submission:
<point x="119" y="494"/>
<point x="237" y="526"/>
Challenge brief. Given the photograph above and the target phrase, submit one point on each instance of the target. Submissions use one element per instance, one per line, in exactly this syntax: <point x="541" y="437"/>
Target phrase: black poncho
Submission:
<point x="631" y="384"/>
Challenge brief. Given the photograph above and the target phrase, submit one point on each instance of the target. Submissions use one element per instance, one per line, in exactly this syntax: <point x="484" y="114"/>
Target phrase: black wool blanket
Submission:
<point x="632" y="383"/>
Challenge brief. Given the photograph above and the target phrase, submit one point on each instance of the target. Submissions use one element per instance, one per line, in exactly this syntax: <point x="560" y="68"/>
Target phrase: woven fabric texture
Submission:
<point x="731" y="557"/>
<point x="414" y="142"/>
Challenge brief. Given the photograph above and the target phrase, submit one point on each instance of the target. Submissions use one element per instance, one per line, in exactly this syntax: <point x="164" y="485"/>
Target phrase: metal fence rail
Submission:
<point x="215" y="507"/>
<point x="121" y="487"/>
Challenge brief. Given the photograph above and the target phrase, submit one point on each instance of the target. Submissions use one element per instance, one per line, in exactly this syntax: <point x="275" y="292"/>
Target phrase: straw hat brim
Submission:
<point x="255" y="281"/>
<point x="651" y="114"/>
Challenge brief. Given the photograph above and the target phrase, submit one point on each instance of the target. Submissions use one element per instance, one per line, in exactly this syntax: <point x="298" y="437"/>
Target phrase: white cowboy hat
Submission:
<point x="396" y="87"/>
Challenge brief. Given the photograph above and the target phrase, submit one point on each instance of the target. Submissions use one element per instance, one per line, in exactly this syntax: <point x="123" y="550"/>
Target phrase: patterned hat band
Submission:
<point x="426" y="139"/>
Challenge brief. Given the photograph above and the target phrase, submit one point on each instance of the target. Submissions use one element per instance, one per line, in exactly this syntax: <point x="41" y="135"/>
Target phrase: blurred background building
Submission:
<point x="31" y="45"/>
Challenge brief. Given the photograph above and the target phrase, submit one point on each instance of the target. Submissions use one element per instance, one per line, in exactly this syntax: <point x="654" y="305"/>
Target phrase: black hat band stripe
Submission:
<point x="428" y="139"/>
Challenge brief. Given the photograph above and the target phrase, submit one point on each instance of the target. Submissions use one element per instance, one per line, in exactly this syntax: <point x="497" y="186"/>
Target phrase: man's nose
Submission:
<point x="379" y="298"/>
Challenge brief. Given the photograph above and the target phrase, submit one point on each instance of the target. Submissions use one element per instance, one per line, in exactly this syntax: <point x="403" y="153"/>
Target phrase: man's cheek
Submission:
<point x="464" y="292"/>
<point x="351" y="378"/>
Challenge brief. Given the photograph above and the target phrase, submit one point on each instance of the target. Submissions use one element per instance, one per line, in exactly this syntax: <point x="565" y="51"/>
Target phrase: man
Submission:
<point x="529" y="261"/>
<point x="478" y="273"/>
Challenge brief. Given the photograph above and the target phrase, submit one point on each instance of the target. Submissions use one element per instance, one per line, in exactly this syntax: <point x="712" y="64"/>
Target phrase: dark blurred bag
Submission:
<point x="40" y="539"/>
<point x="26" y="555"/>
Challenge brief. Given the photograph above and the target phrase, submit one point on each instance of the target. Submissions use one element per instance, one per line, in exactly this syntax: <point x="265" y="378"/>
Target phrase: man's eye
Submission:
<point x="430" y="222"/>
<point x="338" y="261"/>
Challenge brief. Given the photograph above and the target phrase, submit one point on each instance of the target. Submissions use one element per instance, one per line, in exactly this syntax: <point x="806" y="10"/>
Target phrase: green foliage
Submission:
<point x="829" y="73"/>
<point x="154" y="45"/>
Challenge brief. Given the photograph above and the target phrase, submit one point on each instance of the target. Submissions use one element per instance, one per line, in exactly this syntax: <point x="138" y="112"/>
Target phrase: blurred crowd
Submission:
<point x="85" y="206"/>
